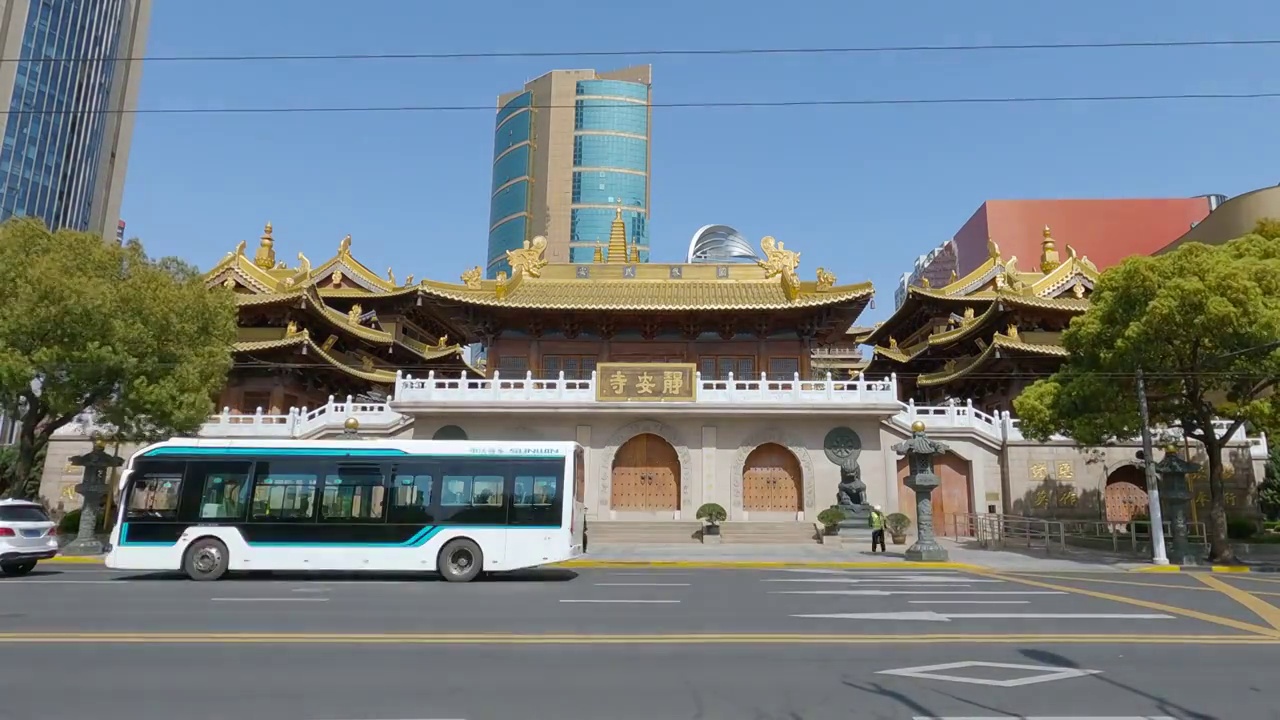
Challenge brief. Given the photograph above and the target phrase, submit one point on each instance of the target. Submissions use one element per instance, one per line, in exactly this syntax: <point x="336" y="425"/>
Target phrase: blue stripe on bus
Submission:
<point x="324" y="452"/>
<point x="418" y="540"/>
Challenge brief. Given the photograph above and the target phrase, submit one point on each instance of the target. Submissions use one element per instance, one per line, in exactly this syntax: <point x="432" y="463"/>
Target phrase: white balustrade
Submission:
<point x="499" y="390"/>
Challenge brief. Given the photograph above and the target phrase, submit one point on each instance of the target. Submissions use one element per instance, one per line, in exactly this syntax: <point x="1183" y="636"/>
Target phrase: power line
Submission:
<point x="866" y="102"/>
<point x="674" y="52"/>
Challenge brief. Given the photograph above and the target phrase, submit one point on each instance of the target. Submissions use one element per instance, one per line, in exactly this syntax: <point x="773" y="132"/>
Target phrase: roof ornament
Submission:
<point x="240" y="248"/>
<point x="304" y="265"/>
<point x="500" y="283"/>
<point x="336" y="278"/>
<point x="826" y="280"/>
<point x="291" y="329"/>
<point x="953" y="277"/>
<point x="471" y="278"/>
<point x="617" y="238"/>
<point x="1078" y="291"/>
<point x="968" y="315"/>
<point x="893" y="343"/>
<point x="408" y="280"/>
<point x="1011" y="275"/>
<point x="1071" y="252"/>
<point x="229" y="283"/>
<point x="391" y="277"/>
<point x="265" y="258"/>
<point x="529" y="259"/>
<point x="1048" y="252"/>
<point x="635" y="254"/>
<point x="442" y="342"/>
<point x="597" y="254"/>
<point x="778" y="260"/>
<point x="1012" y="331"/>
<point x="353" y="315"/>
<point x="993" y="250"/>
<point x="924" y="283"/>
<point x="344" y="247"/>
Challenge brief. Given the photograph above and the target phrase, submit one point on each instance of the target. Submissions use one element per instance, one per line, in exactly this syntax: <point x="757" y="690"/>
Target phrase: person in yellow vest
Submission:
<point x="877" y="528"/>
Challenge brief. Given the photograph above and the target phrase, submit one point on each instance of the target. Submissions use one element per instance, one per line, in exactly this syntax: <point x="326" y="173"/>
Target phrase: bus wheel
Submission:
<point x="206" y="559"/>
<point x="460" y="561"/>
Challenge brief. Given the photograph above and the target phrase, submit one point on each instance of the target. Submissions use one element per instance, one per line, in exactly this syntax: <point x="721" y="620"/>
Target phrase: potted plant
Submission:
<point x="713" y="514"/>
<point x="831" y="519"/>
<point x="897" y="524"/>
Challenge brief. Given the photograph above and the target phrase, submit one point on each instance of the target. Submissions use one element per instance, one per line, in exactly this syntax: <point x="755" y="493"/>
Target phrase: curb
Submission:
<point x="751" y="564"/>
<point x="1208" y="569"/>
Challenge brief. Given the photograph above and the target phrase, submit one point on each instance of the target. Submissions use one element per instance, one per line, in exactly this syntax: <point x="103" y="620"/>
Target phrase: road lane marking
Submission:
<point x="610" y="639"/>
<point x="642" y="584"/>
<point x="969" y="602"/>
<point x="1134" y="583"/>
<point x="650" y="573"/>
<point x="623" y="602"/>
<point x="1269" y="613"/>
<point x="1251" y="578"/>
<point x="881" y="593"/>
<point x="856" y="581"/>
<point x="1193" y="614"/>
<point x="268" y="599"/>
<point x="930" y="616"/>
<point x="1043" y="673"/>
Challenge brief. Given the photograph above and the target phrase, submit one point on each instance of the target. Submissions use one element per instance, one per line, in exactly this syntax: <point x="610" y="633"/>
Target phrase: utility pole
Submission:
<point x="1158" y="556"/>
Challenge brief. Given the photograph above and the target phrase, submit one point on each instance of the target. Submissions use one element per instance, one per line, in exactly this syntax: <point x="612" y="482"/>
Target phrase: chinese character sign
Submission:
<point x="646" y="382"/>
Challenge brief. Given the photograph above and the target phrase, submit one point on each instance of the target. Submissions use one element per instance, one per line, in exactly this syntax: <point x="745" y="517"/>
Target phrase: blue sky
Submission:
<point x="861" y="191"/>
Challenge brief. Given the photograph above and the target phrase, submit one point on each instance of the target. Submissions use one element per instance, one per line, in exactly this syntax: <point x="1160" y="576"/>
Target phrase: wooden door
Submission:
<point x="954" y="496"/>
<point x="772" y="481"/>
<point x="1126" y="498"/>
<point x="646" y="476"/>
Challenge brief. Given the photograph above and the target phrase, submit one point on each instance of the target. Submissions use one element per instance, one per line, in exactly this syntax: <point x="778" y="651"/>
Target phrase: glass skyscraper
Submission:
<point x="67" y="85"/>
<point x="569" y="149"/>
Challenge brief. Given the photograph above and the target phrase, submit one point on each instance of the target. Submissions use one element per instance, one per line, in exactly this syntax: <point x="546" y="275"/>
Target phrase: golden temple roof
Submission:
<point x="1054" y="285"/>
<point x="955" y="369"/>
<point x="536" y="284"/>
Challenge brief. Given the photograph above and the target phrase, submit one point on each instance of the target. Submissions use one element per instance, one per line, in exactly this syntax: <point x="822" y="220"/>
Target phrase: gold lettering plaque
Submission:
<point x="646" y="382"/>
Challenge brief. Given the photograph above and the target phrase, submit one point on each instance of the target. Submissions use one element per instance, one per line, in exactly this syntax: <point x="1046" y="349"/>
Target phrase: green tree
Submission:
<point x="1201" y="322"/>
<point x="92" y="325"/>
<point x="1269" y="491"/>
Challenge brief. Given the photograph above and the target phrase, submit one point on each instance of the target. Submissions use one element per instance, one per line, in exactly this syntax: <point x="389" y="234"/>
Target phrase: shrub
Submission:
<point x="831" y="517"/>
<point x="70" y="523"/>
<point x="897" y="523"/>
<point x="712" y="513"/>
<point x="1241" y="529"/>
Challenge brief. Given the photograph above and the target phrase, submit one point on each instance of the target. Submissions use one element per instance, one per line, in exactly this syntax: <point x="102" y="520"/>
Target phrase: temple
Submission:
<point x="984" y="337"/>
<point x="307" y="333"/>
<point x="736" y="383"/>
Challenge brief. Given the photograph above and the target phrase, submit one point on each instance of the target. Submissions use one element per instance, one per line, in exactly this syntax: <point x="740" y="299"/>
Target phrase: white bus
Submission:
<point x="459" y="508"/>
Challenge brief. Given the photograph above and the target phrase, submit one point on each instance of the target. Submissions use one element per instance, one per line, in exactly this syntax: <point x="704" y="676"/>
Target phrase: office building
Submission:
<point x="69" y="78"/>
<point x="570" y="148"/>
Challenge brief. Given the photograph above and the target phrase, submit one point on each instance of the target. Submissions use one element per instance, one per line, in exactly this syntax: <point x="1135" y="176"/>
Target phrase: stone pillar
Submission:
<point x="1177" y="495"/>
<point x="919" y="451"/>
<point x="93" y="488"/>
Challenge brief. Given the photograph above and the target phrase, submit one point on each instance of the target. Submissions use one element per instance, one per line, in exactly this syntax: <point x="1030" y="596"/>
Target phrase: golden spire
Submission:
<point x="617" y="238"/>
<point x="597" y="255"/>
<point x="1048" y="252"/>
<point x="265" y="258"/>
<point x="635" y="254"/>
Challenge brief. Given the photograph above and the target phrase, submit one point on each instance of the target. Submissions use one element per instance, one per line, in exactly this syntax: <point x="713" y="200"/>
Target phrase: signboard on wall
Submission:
<point x="646" y="382"/>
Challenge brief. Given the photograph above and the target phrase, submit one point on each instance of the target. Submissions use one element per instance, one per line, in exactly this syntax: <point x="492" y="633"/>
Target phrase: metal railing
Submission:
<point x="998" y="531"/>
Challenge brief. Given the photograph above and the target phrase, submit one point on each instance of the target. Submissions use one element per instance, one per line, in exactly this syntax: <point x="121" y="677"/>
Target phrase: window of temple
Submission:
<point x="574" y="367"/>
<point x="718" y="367"/>
<point x="513" y="365"/>
<point x="783" y="368"/>
<point x="251" y="401"/>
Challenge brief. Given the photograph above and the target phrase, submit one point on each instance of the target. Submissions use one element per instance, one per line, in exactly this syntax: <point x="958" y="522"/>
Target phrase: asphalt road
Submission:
<point x="642" y="644"/>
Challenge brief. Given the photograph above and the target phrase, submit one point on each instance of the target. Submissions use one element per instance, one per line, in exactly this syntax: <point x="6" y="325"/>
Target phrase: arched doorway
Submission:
<point x="450" y="432"/>
<point x="772" y="481"/>
<point x="954" y="496"/>
<point x="646" y="476"/>
<point x="1125" y="498"/>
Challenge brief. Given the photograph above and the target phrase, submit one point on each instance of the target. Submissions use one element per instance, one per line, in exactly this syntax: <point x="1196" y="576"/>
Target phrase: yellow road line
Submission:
<point x="1134" y="583"/>
<point x="1263" y="609"/>
<point x="75" y="559"/>
<point x="1171" y="609"/>
<point x="1255" y="578"/>
<point x="713" y="639"/>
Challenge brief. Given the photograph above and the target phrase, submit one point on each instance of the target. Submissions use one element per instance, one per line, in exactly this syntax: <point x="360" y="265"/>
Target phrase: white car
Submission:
<point x="26" y="536"/>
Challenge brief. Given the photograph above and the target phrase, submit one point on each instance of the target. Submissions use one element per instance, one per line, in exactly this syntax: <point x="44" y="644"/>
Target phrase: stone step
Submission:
<point x="627" y="533"/>
<point x="768" y="533"/>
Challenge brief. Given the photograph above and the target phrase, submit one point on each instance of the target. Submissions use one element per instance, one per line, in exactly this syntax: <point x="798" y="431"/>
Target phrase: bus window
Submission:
<point x="355" y="493"/>
<point x="224" y="490"/>
<point x="536" y="494"/>
<point x="154" y="496"/>
<point x="284" y="491"/>
<point x="473" y="498"/>
<point x="411" y="497"/>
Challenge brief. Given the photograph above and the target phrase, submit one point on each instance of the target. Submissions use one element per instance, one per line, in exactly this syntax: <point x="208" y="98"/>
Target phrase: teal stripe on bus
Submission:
<point x="422" y="537"/>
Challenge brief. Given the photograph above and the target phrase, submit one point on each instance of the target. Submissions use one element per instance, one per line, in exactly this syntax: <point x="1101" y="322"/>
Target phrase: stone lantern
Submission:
<point x="1177" y="493"/>
<point x="919" y="451"/>
<point x="93" y="488"/>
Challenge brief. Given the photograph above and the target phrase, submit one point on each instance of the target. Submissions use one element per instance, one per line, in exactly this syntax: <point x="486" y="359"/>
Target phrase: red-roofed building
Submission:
<point x="1107" y="231"/>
